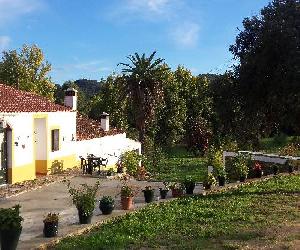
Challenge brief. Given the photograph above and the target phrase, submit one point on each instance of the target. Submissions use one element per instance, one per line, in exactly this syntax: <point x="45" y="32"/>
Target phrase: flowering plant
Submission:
<point x="127" y="190"/>
<point x="51" y="217"/>
<point x="257" y="166"/>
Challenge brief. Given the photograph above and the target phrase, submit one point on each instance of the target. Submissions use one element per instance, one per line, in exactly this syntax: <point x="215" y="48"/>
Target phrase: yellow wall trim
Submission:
<point x="41" y="166"/>
<point x="21" y="173"/>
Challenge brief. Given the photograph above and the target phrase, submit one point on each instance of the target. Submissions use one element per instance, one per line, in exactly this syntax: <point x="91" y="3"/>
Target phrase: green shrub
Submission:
<point x="130" y="161"/>
<point x="84" y="197"/>
<point x="10" y="218"/>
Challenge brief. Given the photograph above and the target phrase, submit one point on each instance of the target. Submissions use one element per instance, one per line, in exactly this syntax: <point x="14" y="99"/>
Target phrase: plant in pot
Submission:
<point x="177" y="189"/>
<point x="258" y="172"/>
<point x="209" y="181"/>
<point x="275" y="169"/>
<point x="10" y="227"/>
<point x="51" y="225"/>
<point x="221" y="173"/>
<point x="189" y="184"/>
<point x="84" y="198"/>
<point x="164" y="191"/>
<point x="106" y="204"/>
<point x="127" y="192"/>
<point x="148" y="194"/>
<point x="241" y="163"/>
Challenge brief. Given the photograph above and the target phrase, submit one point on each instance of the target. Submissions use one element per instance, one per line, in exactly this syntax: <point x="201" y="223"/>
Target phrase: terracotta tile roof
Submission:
<point x="87" y="129"/>
<point x="14" y="100"/>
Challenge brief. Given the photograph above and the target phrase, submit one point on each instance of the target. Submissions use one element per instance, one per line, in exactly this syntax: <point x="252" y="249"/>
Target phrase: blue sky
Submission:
<point x="88" y="38"/>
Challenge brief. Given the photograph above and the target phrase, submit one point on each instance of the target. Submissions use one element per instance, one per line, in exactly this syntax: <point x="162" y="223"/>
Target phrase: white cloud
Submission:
<point x="12" y="9"/>
<point x="150" y="10"/>
<point x="157" y="6"/>
<point x="4" y="42"/>
<point x="83" y="68"/>
<point x="186" y="34"/>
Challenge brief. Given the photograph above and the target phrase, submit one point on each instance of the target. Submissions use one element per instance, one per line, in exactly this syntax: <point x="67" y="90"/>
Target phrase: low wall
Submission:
<point x="258" y="156"/>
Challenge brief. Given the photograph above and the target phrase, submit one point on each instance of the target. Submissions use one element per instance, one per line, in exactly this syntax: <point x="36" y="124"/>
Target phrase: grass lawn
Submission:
<point x="178" y="164"/>
<point x="255" y="215"/>
<point x="274" y="144"/>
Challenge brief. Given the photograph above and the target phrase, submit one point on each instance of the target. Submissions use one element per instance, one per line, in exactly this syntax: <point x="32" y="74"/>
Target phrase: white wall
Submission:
<point x="22" y="127"/>
<point x="66" y="123"/>
<point x="110" y="147"/>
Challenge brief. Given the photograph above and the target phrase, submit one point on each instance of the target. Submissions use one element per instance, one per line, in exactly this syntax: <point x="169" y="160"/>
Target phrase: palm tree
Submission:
<point x="144" y="78"/>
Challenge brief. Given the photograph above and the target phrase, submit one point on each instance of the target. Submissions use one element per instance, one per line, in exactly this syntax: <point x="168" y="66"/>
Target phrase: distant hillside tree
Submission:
<point x="27" y="70"/>
<point x="88" y="87"/>
<point x="83" y="102"/>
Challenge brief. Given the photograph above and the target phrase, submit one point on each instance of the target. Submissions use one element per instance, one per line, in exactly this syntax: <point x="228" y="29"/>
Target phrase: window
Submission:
<point x="55" y="140"/>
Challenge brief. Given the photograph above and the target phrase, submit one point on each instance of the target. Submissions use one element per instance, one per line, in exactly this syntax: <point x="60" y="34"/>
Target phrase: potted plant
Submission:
<point x="148" y="194"/>
<point x="164" y="191"/>
<point x="189" y="184"/>
<point x="221" y="176"/>
<point x="241" y="165"/>
<point x="127" y="197"/>
<point x="51" y="225"/>
<point x="127" y="192"/>
<point x="177" y="189"/>
<point x="84" y="198"/>
<point x="106" y="204"/>
<point x="257" y="170"/>
<point x="275" y="169"/>
<point x="209" y="181"/>
<point x="10" y="227"/>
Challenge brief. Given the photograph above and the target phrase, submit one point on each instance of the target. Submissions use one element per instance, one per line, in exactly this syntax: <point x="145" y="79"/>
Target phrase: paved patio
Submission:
<point x="55" y="198"/>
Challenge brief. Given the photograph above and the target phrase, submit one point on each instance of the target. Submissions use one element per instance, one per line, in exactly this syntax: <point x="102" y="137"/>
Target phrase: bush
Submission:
<point x="130" y="161"/>
<point x="84" y="197"/>
<point x="10" y="218"/>
<point x="292" y="149"/>
<point x="199" y="136"/>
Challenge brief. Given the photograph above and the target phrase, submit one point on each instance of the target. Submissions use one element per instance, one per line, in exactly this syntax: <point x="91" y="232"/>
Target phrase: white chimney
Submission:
<point x="104" y="121"/>
<point x="71" y="98"/>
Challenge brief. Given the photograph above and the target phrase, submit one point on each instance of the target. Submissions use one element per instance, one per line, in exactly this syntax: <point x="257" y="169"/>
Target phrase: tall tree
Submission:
<point x="27" y="70"/>
<point x="110" y="99"/>
<point x="268" y="73"/>
<point x="144" y="88"/>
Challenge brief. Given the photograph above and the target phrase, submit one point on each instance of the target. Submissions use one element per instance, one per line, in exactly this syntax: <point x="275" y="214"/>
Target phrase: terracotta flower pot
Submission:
<point x="127" y="202"/>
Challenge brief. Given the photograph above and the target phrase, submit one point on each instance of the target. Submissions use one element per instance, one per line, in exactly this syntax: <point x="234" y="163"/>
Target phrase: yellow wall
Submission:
<point x="62" y="163"/>
<point x="21" y="173"/>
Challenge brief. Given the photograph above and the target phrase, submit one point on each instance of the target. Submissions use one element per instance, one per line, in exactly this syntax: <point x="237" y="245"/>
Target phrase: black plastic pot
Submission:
<point x="84" y="218"/>
<point x="163" y="193"/>
<point x="242" y="178"/>
<point x="10" y="238"/>
<point x="258" y="173"/>
<point x="106" y="208"/>
<point x="149" y="195"/>
<point x="221" y="180"/>
<point x="275" y="170"/>
<point x="206" y="186"/>
<point x="189" y="187"/>
<point x="50" y="229"/>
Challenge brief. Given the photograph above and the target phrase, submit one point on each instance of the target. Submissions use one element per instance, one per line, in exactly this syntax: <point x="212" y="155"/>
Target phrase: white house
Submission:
<point x="37" y="135"/>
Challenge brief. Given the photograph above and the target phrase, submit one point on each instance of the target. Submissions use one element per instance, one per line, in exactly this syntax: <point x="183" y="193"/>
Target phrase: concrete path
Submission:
<point x="55" y="198"/>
